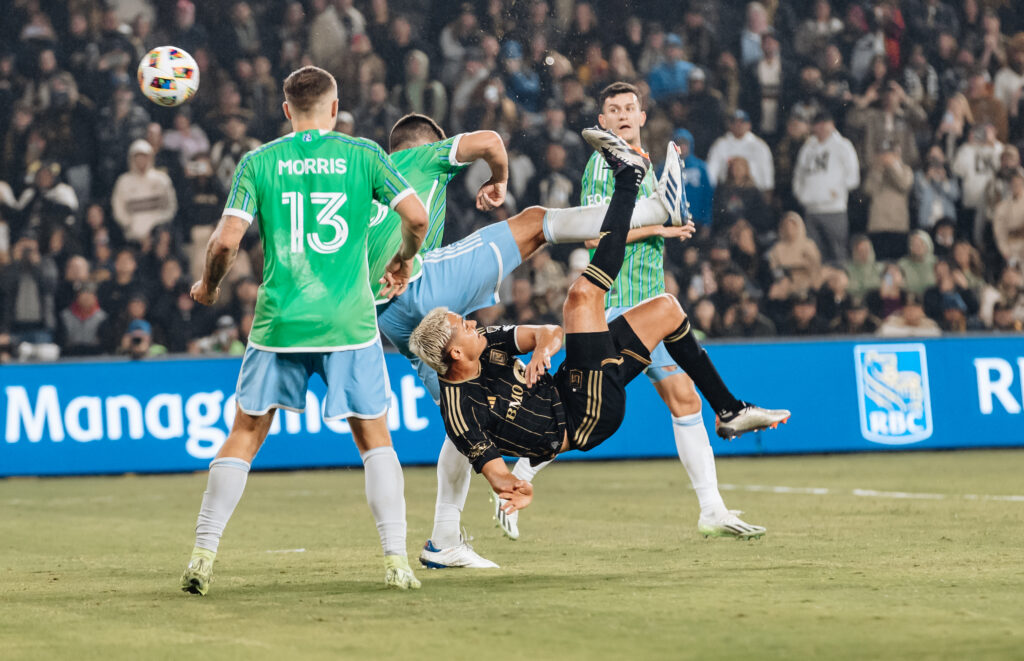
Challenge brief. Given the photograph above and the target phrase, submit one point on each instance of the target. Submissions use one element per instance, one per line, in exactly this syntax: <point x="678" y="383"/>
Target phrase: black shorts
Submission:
<point x="592" y="381"/>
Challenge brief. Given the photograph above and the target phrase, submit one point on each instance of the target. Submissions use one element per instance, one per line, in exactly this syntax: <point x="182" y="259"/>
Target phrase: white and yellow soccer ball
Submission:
<point x="168" y="76"/>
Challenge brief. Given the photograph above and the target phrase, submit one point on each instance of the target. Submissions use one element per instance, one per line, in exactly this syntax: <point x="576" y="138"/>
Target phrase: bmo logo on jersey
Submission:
<point x="892" y="386"/>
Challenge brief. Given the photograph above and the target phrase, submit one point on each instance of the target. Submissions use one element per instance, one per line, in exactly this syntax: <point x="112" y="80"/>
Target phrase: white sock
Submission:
<point x="224" y="488"/>
<point x="578" y="224"/>
<point x="698" y="459"/>
<point x="385" y="492"/>
<point x="454" y="473"/>
<point x="524" y="471"/>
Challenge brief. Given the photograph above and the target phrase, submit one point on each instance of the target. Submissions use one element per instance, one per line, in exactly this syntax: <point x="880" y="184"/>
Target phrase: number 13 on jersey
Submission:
<point x="329" y="204"/>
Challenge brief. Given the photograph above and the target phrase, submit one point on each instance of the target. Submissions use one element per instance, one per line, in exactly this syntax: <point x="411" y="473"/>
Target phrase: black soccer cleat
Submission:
<point x="617" y="153"/>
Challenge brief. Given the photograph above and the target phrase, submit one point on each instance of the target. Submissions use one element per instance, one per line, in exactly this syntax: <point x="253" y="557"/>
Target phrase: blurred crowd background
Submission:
<point x="853" y="166"/>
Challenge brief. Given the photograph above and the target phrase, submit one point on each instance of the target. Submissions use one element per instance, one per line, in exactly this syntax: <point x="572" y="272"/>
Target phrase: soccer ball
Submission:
<point x="168" y="76"/>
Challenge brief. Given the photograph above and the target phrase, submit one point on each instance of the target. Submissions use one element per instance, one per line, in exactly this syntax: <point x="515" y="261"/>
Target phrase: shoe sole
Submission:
<point x="497" y="520"/>
<point x="599" y="145"/>
<point x="729" y="434"/>
<point x="194" y="587"/>
<point x="738" y="536"/>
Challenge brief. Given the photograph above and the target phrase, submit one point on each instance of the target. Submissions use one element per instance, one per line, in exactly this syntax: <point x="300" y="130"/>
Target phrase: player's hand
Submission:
<point x="682" y="232"/>
<point x="491" y="195"/>
<point x="201" y="294"/>
<point x="396" y="277"/>
<point x="539" y="364"/>
<point x="519" y="496"/>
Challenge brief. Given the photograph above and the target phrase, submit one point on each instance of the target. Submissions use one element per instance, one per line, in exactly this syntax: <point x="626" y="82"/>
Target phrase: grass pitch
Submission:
<point x="610" y="566"/>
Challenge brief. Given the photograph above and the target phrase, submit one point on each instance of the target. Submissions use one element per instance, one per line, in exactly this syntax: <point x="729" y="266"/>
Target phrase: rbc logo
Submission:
<point x="892" y="385"/>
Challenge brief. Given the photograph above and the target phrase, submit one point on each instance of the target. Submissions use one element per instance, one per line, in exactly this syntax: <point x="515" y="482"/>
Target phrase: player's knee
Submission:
<point x="583" y="292"/>
<point x="670" y="310"/>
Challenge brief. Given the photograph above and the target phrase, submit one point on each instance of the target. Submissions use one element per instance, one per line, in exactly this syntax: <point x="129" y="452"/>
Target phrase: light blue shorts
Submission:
<point x="662" y="366"/>
<point x="357" y="381"/>
<point x="463" y="277"/>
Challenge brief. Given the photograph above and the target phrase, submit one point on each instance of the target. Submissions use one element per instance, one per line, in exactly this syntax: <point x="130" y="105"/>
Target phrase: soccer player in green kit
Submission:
<point x="312" y="192"/>
<point x="641" y="278"/>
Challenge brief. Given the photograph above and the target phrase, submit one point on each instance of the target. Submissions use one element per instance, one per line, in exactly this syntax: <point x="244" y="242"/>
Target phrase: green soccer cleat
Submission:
<point x="398" y="574"/>
<point x="199" y="572"/>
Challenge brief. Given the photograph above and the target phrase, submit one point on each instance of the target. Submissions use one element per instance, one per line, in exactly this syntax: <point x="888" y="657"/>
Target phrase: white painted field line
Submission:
<point x="867" y="493"/>
<point x="288" y="551"/>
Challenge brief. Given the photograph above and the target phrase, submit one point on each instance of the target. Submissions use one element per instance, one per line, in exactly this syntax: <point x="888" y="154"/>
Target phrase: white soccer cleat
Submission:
<point x="749" y="418"/>
<point x="729" y="525"/>
<point x="460" y="555"/>
<point x="509" y="523"/>
<point x="617" y="152"/>
<point x="671" y="188"/>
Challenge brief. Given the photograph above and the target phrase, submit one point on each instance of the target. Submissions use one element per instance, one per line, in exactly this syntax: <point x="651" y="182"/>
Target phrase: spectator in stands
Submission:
<point x="143" y="197"/>
<point x="756" y="25"/>
<point x="803" y="318"/>
<point x="702" y="112"/>
<point x="119" y="125"/>
<point x="1008" y="222"/>
<point x="228" y="152"/>
<point x="1003" y="319"/>
<point x="997" y="190"/>
<point x="751" y="322"/>
<point x="890" y="295"/>
<point x="224" y="340"/>
<point x="27" y="289"/>
<point x="826" y="171"/>
<point x="935" y="193"/>
<point x="739" y="141"/>
<point x="885" y="116"/>
<point x="985" y="108"/>
<point x="921" y="82"/>
<point x="919" y="264"/>
<point x="76" y="275"/>
<point x="910" y="321"/>
<point x="738" y="198"/>
<point x="796" y="254"/>
<point x="419" y="93"/>
<point x="521" y="83"/>
<point x="181" y="323"/>
<point x="855" y="318"/>
<point x="785" y="156"/>
<point x="187" y="139"/>
<point x="976" y="163"/>
<point x="950" y="291"/>
<point x="48" y="203"/>
<point x="943" y="235"/>
<point x="763" y="84"/>
<point x="955" y="125"/>
<point x="69" y="127"/>
<point x="115" y="293"/>
<point x="670" y="78"/>
<point x="80" y="323"/>
<point x="888" y="184"/>
<point x="377" y="115"/>
<point x="815" y="33"/>
<point x="835" y="289"/>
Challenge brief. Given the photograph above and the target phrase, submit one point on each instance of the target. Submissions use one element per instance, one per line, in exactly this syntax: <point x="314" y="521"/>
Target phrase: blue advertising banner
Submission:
<point x="173" y="415"/>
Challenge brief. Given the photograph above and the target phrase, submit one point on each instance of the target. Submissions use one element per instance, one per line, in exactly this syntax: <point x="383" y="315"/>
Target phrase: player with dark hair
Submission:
<point x="493" y="405"/>
<point x="312" y="193"/>
<point x="642" y="277"/>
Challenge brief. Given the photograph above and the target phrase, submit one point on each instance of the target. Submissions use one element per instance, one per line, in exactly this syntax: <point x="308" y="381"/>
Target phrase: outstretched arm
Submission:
<point x="518" y="493"/>
<point x="220" y="255"/>
<point x="486" y="145"/>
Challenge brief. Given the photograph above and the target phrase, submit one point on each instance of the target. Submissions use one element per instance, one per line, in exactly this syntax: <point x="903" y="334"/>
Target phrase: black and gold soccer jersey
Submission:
<point x="495" y="413"/>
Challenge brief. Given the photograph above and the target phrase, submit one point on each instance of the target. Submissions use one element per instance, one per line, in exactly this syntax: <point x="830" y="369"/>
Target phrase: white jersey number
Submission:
<point x="329" y="204"/>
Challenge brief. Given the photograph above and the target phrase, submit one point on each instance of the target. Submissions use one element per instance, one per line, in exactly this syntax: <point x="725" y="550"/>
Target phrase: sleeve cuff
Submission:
<point x="453" y="159"/>
<point x="244" y="215"/>
<point x="515" y="338"/>
<point x="401" y="196"/>
<point x="481" y="461"/>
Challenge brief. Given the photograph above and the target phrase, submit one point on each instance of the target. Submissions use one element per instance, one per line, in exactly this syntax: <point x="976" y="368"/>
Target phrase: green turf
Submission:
<point x="609" y="566"/>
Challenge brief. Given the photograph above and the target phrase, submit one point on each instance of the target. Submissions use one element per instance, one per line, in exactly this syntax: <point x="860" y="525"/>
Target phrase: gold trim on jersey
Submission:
<point x="612" y="361"/>
<point x="637" y="357"/>
<point x="683" y="330"/>
<point x="455" y="418"/>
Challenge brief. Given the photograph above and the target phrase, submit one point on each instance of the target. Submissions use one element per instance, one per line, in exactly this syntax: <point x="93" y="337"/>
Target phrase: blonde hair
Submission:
<point x="430" y="338"/>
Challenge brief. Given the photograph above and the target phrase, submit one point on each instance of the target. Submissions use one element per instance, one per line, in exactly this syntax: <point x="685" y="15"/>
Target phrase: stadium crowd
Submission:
<point x="853" y="166"/>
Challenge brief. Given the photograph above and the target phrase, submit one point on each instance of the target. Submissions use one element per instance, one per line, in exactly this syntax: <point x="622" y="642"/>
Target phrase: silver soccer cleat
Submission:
<point x="749" y="418"/>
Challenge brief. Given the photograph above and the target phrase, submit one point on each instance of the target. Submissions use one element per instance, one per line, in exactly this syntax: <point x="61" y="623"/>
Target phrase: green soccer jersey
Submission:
<point x="312" y="193"/>
<point x="428" y="169"/>
<point x="643" y="269"/>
